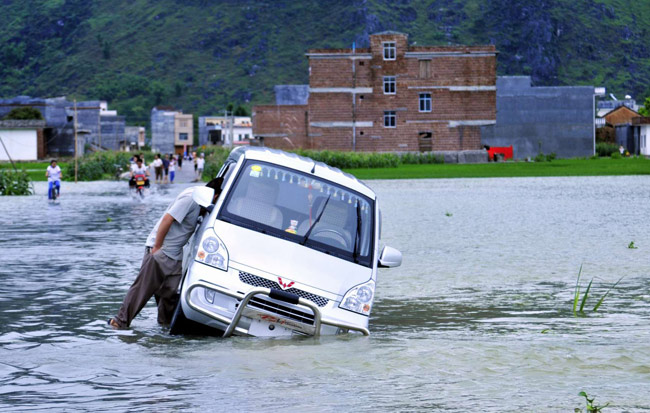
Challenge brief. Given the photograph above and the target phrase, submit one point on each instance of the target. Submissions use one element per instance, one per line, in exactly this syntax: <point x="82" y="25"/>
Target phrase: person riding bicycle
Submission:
<point x="139" y="169"/>
<point x="53" y="174"/>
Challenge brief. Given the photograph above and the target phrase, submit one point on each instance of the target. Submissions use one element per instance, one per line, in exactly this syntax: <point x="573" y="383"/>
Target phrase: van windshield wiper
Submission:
<point x="304" y="240"/>
<point x="357" y="235"/>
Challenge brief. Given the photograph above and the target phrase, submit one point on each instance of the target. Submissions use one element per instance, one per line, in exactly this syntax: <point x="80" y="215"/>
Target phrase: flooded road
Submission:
<point x="478" y="318"/>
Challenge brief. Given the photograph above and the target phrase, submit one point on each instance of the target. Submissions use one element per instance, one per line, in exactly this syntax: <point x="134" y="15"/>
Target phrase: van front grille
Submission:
<point x="256" y="281"/>
<point x="282" y="310"/>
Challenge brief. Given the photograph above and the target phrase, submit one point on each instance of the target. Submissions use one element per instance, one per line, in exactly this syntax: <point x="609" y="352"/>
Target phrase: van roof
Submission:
<point x="303" y="164"/>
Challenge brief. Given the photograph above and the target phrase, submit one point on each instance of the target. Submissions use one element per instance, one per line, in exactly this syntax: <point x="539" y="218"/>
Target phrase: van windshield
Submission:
<point x="302" y="208"/>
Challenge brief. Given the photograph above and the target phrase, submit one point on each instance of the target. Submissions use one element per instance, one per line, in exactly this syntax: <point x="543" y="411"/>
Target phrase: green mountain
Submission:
<point x="200" y="55"/>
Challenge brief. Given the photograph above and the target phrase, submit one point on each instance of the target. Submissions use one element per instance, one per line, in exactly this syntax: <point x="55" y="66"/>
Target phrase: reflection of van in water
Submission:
<point x="291" y="247"/>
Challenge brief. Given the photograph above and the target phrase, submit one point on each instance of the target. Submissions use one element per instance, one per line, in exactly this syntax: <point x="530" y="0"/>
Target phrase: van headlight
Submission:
<point x="359" y="298"/>
<point x="212" y="251"/>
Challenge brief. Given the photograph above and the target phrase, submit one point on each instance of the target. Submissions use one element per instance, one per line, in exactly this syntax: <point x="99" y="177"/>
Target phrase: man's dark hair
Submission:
<point x="52" y="161"/>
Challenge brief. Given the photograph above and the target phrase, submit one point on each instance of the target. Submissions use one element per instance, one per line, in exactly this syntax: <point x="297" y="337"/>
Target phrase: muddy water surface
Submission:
<point x="478" y="318"/>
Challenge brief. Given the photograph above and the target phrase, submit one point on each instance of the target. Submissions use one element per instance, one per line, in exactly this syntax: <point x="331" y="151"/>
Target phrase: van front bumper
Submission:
<point x="244" y="310"/>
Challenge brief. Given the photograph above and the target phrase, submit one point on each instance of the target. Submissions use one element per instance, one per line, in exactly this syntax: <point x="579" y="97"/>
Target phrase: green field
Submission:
<point x="35" y="170"/>
<point x="563" y="167"/>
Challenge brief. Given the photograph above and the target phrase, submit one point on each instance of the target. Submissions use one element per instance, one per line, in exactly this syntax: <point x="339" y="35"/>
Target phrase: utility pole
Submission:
<point x="232" y="124"/>
<point x="228" y="130"/>
<point x="99" y="126"/>
<point x="354" y="99"/>
<point x="75" y="141"/>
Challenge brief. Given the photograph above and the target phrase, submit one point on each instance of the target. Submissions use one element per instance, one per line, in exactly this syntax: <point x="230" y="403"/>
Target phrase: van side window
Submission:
<point x="225" y="172"/>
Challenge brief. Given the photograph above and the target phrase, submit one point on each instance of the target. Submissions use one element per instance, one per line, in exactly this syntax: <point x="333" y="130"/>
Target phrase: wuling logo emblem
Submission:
<point x="285" y="285"/>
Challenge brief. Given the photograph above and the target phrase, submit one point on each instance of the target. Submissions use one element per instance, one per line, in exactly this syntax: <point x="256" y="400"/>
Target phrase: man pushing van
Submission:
<point x="160" y="271"/>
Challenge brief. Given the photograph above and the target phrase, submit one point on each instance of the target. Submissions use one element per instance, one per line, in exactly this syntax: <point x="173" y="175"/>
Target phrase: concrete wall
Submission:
<point x="291" y="94"/>
<point x="112" y="131"/>
<point x="546" y="119"/>
<point x="22" y="144"/>
<point x="134" y="136"/>
<point x="627" y="136"/>
<point x="162" y="130"/>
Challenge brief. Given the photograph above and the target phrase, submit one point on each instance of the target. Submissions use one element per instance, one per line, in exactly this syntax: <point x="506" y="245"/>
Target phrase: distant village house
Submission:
<point x="392" y="96"/>
<point x="97" y="126"/>
<point x="172" y="131"/>
<point x="222" y="130"/>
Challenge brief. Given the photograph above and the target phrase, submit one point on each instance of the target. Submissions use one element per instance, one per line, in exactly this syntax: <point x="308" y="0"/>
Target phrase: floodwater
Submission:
<point x="478" y="318"/>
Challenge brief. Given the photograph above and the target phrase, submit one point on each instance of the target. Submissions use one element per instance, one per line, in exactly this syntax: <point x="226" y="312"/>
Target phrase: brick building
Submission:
<point x="391" y="96"/>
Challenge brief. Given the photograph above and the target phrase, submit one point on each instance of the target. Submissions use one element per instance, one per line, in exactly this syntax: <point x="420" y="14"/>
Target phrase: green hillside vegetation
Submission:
<point x="200" y="55"/>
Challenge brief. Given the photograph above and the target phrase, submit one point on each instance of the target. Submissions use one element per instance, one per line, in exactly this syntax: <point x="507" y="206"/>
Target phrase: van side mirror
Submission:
<point x="203" y="195"/>
<point x="390" y="257"/>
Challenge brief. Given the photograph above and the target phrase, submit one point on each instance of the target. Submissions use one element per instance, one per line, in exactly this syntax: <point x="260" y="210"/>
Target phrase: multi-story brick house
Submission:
<point x="391" y="96"/>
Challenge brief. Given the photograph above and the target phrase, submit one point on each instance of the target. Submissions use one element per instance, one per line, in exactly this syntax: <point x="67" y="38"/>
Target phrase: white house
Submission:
<point x="22" y="140"/>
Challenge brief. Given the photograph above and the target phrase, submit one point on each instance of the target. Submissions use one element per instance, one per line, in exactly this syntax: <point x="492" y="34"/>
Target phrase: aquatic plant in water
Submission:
<point x="591" y="407"/>
<point x="576" y="296"/>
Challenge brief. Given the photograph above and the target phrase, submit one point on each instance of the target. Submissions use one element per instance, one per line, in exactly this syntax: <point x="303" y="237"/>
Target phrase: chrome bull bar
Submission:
<point x="245" y="299"/>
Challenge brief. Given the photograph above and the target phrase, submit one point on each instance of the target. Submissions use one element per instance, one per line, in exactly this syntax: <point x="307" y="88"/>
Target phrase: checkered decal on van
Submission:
<point x="256" y="281"/>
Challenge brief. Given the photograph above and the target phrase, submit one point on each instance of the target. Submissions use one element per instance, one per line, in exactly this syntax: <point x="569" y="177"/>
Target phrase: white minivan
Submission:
<point x="291" y="247"/>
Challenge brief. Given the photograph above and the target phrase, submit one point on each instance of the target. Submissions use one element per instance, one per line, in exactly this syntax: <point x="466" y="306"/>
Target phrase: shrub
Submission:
<point x="421" y="158"/>
<point x="24" y="113"/>
<point x="215" y="156"/>
<point x="98" y="165"/>
<point x="15" y="183"/>
<point x="351" y="160"/>
<point x="616" y="155"/>
<point x="606" y="149"/>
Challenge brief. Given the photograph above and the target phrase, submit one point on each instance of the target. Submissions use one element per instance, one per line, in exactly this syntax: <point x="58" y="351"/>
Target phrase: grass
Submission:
<point x="562" y="167"/>
<point x="35" y="170"/>
<point x="579" y="312"/>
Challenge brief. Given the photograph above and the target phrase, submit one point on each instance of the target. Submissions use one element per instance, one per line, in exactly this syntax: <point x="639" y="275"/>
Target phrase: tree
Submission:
<point x="24" y="113"/>
<point x="240" y="111"/>
<point x="645" y="109"/>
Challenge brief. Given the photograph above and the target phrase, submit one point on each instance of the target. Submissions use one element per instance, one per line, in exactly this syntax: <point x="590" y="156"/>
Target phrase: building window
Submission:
<point x="425" y="69"/>
<point x="389" y="85"/>
<point x="389" y="51"/>
<point x="390" y="119"/>
<point x="425" y="102"/>
<point x="183" y="124"/>
<point x="183" y="137"/>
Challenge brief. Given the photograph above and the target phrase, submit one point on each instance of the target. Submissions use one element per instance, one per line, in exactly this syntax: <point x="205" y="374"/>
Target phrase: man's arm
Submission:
<point x="163" y="229"/>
